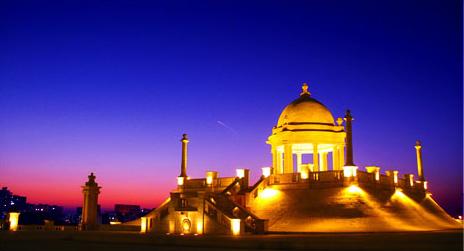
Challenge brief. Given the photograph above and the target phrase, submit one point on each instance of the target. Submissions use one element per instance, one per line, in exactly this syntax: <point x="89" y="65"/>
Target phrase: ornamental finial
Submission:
<point x="305" y="89"/>
<point x="91" y="179"/>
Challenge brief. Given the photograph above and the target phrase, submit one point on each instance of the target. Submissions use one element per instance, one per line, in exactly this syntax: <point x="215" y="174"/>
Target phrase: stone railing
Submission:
<point x="391" y="181"/>
<point x="334" y="178"/>
<point x="326" y="176"/>
<point x="322" y="177"/>
<point x="285" y="178"/>
<point x="218" y="183"/>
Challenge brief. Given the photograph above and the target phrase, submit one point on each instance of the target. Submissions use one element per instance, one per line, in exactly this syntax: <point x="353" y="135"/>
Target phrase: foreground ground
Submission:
<point x="117" y="241"/>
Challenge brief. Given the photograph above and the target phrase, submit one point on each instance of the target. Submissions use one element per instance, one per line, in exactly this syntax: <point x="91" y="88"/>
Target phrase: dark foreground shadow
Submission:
<point x="117" y="241"/>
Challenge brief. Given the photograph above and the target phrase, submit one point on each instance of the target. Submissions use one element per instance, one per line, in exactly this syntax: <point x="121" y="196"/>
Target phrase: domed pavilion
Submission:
<point x="306" y="126"/>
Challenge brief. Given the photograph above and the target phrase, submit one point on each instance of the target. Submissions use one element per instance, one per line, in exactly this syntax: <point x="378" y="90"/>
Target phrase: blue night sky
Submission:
<point x="110" y="86"/>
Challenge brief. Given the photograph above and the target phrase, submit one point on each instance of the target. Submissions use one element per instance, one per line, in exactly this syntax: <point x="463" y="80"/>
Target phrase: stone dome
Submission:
<point x="305" y="110"/>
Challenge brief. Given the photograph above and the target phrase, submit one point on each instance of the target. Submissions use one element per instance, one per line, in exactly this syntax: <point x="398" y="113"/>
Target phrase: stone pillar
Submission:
<point x="288" y="158"/>
<point x="349" y="139"/>
<point x="274" y="157"/>
<point x="278" y="167"/>
<point x="244" y="175"/>
<point x="393" y="175"/>
<point x="315" y="158"/>
<point x="420" y="169"/>
<point x="409" y="178"/>
<point x="375" y="171"/>
<point x="183" y="167"/>
<point x="144" y="224"/>
<point x="90" y="206"/>
<point x="341" y="155"/>
<point x="211" y="178"/>
<point x="335" y="161"/>
<point x="323" y="161"/>
<point x="299" y="160"/>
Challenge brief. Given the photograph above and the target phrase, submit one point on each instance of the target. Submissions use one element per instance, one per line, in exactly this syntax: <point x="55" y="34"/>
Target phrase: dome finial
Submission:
<point x="305" y="89"/>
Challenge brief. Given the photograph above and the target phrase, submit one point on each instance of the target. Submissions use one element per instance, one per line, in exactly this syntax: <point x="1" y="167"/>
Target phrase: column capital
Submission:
<point x="184" y="138"/>
<point x="183" y="166"/>
<point x="418" y="145"/>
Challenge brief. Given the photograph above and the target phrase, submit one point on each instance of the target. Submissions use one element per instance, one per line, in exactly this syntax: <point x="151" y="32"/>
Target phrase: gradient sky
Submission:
<point x="110" y="86"/>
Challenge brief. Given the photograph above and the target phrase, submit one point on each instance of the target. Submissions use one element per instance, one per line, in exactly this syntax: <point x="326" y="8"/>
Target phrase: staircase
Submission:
<point x="222" y="205"/>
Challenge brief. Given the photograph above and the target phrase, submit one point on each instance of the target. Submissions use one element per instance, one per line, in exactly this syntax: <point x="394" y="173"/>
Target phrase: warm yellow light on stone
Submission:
<point x="395" y="177"/>
<point x="180" y="181"/>
<point x="425" y="185"/>
<point x="143" y="224"/>
<point x="304" y="174"/>
<point x="115" y="223"/>
<point x="411" y="180"/>
<point x="199" y="227"/>
<point x="240" y="173"/>
<point x="400" y="196"/>
<point x="209" y="180"/>
<point x="172" y="226"/>
<point x="210" y="177"/>
<point x="13" y="219"/>
<point x="349" y="171"/>
<point x="268" y="193"/>
<point x="459" y="220"/>
<point x="354" y="189"/>
<point x="235" y="226"/>
<point x="186" y="225"/>
<point x="266" y="171"/>
<point x="375" y="170"/>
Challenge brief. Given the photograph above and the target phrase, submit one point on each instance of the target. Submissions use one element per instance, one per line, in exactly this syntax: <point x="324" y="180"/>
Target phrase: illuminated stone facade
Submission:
<point x="325" y="194"/>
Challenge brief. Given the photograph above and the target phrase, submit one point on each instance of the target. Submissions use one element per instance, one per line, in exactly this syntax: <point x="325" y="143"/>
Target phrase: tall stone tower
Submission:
<point x="90" y="206"/>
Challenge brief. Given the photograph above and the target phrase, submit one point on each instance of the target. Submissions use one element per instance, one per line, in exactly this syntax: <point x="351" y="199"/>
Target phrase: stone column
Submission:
<point x="420" y="170"/>
<point x="299" y="161"/>
<point x="349" y="139"/>
<point x="278" y="168"/>
<point x="335" y="157"/>
<point x="183" y="168"/>
<point x="323" y="161"/>
<point x="341" y="156"/>
<point x="288" y="158"/>
<point x="274" y="157"/>
<point x="315" y="158"/>
<point x="90" y="207"/>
